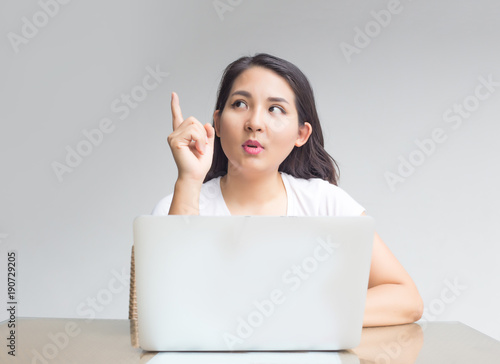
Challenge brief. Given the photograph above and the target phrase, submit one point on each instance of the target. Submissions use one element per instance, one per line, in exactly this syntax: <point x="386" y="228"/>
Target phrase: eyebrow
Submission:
<point x="247" y="94"/>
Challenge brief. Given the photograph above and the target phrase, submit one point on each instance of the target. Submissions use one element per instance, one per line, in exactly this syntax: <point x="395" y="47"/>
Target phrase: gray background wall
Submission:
<point x="73" y="235"/>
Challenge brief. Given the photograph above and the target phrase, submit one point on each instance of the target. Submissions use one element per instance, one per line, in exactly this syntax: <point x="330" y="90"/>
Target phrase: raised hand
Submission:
<point x="192" y="144"/>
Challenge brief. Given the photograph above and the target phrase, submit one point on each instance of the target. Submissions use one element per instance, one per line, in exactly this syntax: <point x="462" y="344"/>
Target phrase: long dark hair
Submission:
<point x="308" y="161"/>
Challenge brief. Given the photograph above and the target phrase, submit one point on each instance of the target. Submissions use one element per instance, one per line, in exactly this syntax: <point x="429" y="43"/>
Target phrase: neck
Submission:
<point x="244" y="190"/>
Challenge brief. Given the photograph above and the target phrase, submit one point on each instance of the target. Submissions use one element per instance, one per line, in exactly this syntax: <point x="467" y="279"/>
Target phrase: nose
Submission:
<point x="255" y="120"/>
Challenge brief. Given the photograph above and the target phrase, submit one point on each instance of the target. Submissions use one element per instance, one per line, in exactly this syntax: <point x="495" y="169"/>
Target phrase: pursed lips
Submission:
<point x="252" y="144"/>
<point x="252" y="147"/>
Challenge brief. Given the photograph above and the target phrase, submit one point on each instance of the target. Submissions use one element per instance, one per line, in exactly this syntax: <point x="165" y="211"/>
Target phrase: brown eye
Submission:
<point x="238" y="104"/>
<point x="277" y="110"/>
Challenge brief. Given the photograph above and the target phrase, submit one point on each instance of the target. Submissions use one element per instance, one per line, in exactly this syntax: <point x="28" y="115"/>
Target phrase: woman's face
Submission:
<point x="261" y="108"/>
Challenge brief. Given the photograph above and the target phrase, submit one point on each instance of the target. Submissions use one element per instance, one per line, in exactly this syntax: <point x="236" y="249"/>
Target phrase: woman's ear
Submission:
<point x="304" y="134"/>
<point x="216" y="122"/>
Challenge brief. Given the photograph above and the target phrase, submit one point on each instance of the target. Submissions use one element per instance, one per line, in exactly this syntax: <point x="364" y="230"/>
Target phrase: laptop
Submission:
<point x="251" y="283"/>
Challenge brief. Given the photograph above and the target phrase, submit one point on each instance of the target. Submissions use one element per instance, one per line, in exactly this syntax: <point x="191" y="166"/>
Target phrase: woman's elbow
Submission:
<point x="416" y="308"/>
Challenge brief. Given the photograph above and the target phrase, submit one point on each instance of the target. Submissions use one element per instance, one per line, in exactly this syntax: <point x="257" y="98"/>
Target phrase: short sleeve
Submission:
<point x="340" y="203"/>
<point x="318" y="197"/>
<point x="163" y="206"/>
<point x="211" y="201"/>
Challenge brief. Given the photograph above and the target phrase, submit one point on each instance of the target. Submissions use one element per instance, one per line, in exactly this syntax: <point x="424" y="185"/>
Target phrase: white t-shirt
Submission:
<point x="306" y="197"/>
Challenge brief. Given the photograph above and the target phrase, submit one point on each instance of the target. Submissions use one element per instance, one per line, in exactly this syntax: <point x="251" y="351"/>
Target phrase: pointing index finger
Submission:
<point x="177" y="118"/>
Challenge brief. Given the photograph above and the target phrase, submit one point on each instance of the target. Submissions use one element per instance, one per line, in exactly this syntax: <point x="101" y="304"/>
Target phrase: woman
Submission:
<point x="264" y="155"/>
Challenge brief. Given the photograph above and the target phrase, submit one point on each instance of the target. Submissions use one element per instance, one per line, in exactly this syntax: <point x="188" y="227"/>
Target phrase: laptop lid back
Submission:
<point x="219" y="283"/>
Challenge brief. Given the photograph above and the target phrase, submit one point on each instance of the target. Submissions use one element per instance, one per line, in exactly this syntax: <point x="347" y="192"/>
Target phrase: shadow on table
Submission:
<point x="390" y="344"/>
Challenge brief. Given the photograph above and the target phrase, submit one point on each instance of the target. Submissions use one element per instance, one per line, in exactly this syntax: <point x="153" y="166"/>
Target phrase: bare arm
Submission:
<point x="186" y="198"/>
<point x="392" y="296"/>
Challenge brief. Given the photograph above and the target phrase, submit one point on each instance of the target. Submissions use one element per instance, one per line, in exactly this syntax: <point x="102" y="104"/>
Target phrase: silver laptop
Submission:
<point x="251" y="283"/>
